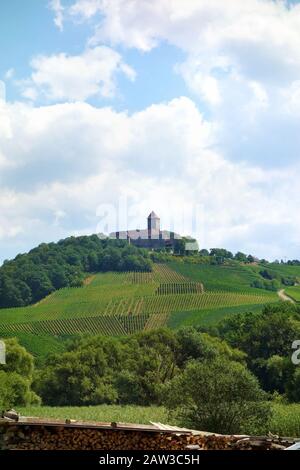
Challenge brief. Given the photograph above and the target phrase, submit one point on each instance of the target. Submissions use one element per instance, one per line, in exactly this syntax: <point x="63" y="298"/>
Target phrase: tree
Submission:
<point x="218" y="396"/>
<point x="221" y="253"/>
<point x="293" y="386"/>
<point x="16" y="377"/>
<point x="266" y="338"/>
<point x="195" y="345"/>
<point x="14" y="390"/>
<point x="78" y="377"/>
<point x="204" y="252"/>
<point x="241" y="257"/>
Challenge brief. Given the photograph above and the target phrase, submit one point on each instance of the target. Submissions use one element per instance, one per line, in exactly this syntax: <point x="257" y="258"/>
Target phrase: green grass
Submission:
<point x="105" y="413"/>
<point x="285" y="270"/>
<point x="236" y="278"/>
<point x="208" y="317"/>
<point x="285" y="421"/>
<point x="293" y="292"/>
<point x="41" y="345"/>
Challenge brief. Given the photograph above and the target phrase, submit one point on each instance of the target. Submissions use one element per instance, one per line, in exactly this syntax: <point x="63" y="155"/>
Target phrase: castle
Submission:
<point x="152" y="237"/>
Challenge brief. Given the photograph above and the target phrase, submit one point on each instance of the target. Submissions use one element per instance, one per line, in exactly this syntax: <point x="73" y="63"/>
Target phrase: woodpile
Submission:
<point x="70" y="436"/>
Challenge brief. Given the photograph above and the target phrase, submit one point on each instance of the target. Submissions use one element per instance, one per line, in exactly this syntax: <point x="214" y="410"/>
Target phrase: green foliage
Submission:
<point x="195" y="346"/>
<point x="117" y="304"/>
<point x="220" y="254"/>
<point x="17" y="359"/>
<point x="272" y="285"/>
<point x="16" y="377"/>
<point x="267" y="338"/>
<point x="293" y="386"/>
<point x="272" y="280"/>
<point x="99" y="370"/>
<point x="208" y="316"/>
<point x="285" y="419"/>
<point x="232" y="278"/>
<point x="294" y="293"/>
<point x="103" y="413"/>
<point x="14" y="390"/>
<point x="32" y="276"/>
<point x="217" y="396"/>
<point x="242" y="257"/>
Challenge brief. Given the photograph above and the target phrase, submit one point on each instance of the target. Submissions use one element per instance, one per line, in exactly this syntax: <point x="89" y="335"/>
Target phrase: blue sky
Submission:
<point x="27" y="30"/>
<point x="184" y="107"/>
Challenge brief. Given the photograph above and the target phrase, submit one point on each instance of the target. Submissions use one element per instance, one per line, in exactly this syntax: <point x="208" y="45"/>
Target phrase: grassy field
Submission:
<point x="208" y="317"/>
<point x="119" y="304"/>
<point x="236" y="278"/>
<point x="104" y="413"/>
<point x="285" y="270"/>
<point x="285" y="420"/>
<point x="293" y="292"/>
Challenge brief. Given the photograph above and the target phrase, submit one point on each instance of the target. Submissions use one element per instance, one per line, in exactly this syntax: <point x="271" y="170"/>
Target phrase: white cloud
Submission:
<point x="241" y="63"/>
<point x="58" y="9"/>
<point x="70" y="158"/>
<point x="229" y="45"/>
<point x="75" y="78"/>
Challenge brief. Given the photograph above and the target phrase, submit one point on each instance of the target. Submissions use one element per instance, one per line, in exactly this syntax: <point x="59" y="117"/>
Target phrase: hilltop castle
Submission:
<point x="152" y="237"/>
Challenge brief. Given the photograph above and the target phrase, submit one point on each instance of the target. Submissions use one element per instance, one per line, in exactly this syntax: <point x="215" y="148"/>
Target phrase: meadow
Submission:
<point x="285" y="420"/>
<point x="294" y="293"/>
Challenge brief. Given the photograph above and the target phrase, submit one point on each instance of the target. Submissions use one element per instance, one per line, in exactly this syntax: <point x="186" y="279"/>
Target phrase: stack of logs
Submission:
<point x="43" y="437"/>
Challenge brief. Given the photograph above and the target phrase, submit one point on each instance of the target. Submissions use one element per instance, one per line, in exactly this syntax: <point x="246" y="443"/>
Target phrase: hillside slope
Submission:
<point x="124" y="303"/>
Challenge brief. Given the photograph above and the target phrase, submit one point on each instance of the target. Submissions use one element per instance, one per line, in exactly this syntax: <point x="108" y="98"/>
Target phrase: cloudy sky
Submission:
<point x="115" y="108"/>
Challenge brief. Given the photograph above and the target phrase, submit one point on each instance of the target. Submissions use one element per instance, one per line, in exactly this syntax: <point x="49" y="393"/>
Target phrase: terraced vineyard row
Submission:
<point x="157" y="320"/>
<point x="129" y="315"/>
<point x="106" y="325"/>
<point x="159" y="304"/>
<point x="207" y="300"/>
<point x="123" y="303"/>
<point x="162" y="273"/>
<point x="125" y="307"/>
<point x="137" y="277"/>
<point x="180" y="288"/>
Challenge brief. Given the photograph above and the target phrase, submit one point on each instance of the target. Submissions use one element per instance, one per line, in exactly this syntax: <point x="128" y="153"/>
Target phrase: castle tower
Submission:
<point x="153" y="225"/>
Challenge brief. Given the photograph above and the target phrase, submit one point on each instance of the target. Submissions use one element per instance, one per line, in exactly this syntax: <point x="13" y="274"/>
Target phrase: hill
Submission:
<point x="49" y="267"/>
<point x="118" y="304"/>
<point x="87" y="285"/>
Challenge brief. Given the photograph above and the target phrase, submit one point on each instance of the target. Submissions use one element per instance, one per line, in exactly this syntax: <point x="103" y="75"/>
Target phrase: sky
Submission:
<point x="110" y="109"/>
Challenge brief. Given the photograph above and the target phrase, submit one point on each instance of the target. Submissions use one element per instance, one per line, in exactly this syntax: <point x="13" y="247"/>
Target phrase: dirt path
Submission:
<point x="283" y="296"/>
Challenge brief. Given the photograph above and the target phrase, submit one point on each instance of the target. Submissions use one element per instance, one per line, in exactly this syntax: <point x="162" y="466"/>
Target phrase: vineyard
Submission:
<point x="124" y="303"/>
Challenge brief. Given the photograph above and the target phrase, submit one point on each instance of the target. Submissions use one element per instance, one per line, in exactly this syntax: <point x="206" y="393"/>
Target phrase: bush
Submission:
<point x="218" y="396"/>
<point x="16" y="377"/>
